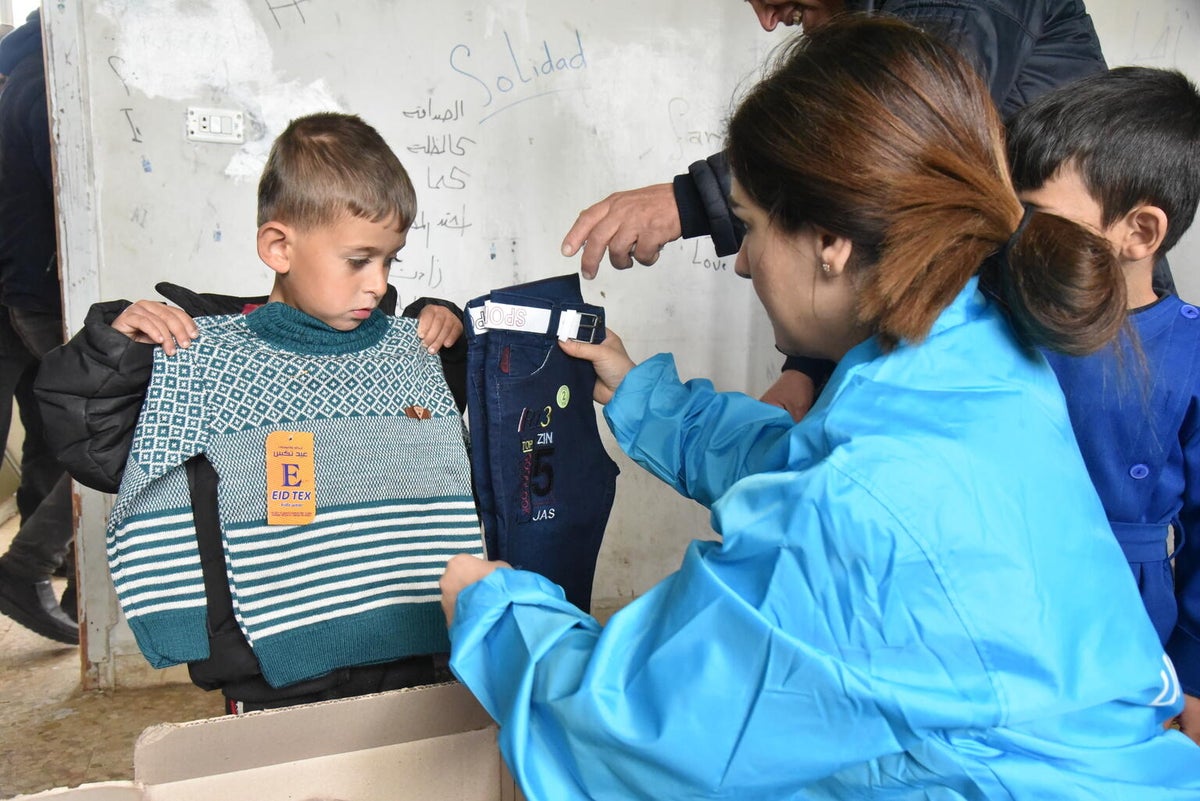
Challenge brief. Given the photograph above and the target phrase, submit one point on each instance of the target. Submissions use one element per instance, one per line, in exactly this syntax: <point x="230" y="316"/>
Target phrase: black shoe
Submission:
<point x="69" y="602"/>
<point x="33" y="605"/>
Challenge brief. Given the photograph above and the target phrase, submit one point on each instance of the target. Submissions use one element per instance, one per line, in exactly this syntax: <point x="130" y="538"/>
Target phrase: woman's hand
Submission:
<point x="609" y="359"/>
<point x="461" y="572"/>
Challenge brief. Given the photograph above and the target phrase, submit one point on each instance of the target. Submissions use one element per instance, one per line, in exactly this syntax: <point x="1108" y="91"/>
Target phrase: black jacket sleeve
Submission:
<point x="1021" y="48"/>
<point x="702" y="197"/>
<point x="90" y="392"/>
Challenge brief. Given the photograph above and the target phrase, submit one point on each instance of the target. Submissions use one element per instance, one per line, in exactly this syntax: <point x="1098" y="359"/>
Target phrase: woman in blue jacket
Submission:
<point x="916" y="595"/>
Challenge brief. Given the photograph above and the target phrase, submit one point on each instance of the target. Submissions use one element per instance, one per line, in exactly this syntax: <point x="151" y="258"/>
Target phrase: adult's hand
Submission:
<point x="608" y="358"/>
<point x="1189" y="718"/>
<point x="631" y="225"/>
<point x="153" y="323"/>
<point x="794" y="391"/>
<point x="461" y="572"/>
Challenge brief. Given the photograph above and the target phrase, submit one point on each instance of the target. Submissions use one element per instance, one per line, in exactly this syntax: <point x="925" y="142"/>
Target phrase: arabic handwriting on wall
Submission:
<point x="446" y="144"/>
<point x="447" y="221"/>
<point x="453" y="113"/>
<point x="428" y="275"/>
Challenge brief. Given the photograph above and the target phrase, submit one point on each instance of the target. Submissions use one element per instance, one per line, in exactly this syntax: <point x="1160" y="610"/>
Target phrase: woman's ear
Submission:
<point x="834" y="250"/>
<point x="1140" y="233"/>
<point x="275" y="241"/>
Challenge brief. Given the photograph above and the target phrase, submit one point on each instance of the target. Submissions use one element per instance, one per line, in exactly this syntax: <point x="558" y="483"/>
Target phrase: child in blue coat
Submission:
<point x="1120" y="152"/>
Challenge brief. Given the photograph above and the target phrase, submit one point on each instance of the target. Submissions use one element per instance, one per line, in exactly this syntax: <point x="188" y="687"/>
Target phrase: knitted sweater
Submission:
<point x="356" y="585"/>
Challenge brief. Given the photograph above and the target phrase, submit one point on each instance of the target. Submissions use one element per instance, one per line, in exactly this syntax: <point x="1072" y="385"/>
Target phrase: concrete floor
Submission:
<point x="52" y="734"/>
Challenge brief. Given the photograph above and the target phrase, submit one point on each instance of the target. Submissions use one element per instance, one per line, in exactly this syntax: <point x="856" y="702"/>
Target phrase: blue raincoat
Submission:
<point x="917" y="596"/>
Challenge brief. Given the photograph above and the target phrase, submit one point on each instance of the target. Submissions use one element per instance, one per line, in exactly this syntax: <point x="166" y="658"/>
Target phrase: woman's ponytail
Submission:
<point x="1060" y="284"/>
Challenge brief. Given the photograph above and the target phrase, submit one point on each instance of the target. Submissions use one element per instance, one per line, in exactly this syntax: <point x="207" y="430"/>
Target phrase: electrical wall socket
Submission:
<point x="215" y="125"/>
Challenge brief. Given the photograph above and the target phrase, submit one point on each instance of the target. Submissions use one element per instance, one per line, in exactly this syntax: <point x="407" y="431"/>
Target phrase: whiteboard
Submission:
<point x="510" y="116"/>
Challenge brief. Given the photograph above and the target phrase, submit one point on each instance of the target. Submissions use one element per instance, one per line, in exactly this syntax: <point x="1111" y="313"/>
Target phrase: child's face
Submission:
<point x="338" y="273"/>
<point x="1066" y="195"/>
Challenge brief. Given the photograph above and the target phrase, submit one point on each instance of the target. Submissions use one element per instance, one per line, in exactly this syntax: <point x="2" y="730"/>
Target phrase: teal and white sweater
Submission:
<point x="357" y="585"/>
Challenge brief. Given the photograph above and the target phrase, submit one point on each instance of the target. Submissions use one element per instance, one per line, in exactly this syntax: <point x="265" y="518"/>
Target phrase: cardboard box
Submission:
<point x="423" y="744"/>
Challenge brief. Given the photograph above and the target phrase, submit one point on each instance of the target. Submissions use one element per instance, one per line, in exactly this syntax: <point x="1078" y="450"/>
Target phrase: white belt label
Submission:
<point x="510" y="318"/>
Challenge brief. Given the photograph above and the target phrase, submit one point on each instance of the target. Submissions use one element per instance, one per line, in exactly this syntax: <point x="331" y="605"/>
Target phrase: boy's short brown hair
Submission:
<point x="328" y="165"/>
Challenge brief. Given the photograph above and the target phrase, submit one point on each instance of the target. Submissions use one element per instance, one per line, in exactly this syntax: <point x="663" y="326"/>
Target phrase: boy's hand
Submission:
<point x="154" y="323"/>
<point x="438" y="327"/>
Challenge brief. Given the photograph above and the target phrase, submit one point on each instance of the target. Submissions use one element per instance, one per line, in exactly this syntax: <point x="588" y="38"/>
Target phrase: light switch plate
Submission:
<point x="215" y="125"/>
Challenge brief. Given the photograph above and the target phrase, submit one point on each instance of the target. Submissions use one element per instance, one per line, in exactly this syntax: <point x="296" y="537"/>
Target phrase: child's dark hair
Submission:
<point x="329" y="165"/>
<point x="878" y="132"/>
<point x="1133" y="135"/>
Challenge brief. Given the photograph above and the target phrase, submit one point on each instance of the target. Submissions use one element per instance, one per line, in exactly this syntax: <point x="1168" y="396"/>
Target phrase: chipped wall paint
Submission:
<point x="187" y="50"/>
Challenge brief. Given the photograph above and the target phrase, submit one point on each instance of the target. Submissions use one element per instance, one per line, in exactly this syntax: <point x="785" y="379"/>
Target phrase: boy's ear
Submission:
<point x="275" y="241"/>
<point x="1141" y="232"/>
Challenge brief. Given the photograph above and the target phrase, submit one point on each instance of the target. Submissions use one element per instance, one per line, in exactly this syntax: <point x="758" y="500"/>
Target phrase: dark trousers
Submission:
<point x="44" y="495"/>
<point x="415" y="671"/>
<point x="543" y="481"/>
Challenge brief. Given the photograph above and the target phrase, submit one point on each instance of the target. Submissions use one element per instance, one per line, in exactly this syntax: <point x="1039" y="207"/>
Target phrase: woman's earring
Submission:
<point x="825" y="267"/>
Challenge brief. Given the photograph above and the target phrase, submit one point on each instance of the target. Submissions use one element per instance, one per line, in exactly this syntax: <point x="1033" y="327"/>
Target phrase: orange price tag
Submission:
<point x="291" y="494"/>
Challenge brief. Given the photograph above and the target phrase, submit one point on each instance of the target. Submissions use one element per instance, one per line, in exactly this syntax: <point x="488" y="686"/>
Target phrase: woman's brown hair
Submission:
<point x="875" y="131"/>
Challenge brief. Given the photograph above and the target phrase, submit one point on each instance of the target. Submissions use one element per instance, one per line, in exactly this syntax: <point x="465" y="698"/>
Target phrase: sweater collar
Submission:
<point x="290" y="329"/>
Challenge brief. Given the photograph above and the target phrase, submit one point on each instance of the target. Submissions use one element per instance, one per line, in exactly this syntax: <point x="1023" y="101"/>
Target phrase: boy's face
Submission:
<point x="338" y="273"/>
<point x="1066" y="195"/>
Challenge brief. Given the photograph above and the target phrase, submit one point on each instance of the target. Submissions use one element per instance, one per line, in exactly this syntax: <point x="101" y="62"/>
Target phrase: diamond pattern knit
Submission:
<point x="356" y="585"/>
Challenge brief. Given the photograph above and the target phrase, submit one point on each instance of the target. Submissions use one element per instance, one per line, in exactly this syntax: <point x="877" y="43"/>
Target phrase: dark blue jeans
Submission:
<point x="543" y="481"/>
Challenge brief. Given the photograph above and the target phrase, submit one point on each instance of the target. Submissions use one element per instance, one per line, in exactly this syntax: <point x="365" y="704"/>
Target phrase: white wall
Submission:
<point x="634" y="92"/>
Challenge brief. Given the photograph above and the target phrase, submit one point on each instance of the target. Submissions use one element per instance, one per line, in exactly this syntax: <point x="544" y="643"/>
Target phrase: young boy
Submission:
<point x="1120" y="151"/>
<point x="298" y="476"/>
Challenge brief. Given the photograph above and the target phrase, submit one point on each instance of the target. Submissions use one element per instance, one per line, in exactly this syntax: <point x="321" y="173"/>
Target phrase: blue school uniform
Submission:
<point x="916" y="596"/>
<point x="1137" y="419"/>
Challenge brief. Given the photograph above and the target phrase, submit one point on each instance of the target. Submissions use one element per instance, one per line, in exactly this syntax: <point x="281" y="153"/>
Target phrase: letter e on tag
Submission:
<point x="291" y="496"/>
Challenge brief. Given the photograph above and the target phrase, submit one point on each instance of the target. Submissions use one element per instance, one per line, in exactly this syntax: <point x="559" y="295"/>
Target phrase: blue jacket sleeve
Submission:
<point x="1183" y="646"/>
<point x="753" y="672"/>
<point x="696" y="439"/>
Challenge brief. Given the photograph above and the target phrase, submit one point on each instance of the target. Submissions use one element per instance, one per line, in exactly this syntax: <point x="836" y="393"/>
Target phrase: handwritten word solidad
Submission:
<point x="524" y="70"/>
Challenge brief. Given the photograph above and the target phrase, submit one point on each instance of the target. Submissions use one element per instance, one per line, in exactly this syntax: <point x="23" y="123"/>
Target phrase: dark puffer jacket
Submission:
<point x="28" y="255"/>
<point x="91" y="391"/>
<point x="1021" y="48"/>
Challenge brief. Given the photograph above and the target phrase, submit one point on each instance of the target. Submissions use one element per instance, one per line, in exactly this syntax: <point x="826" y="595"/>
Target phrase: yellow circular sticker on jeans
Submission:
<point x="564" y="396"/>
